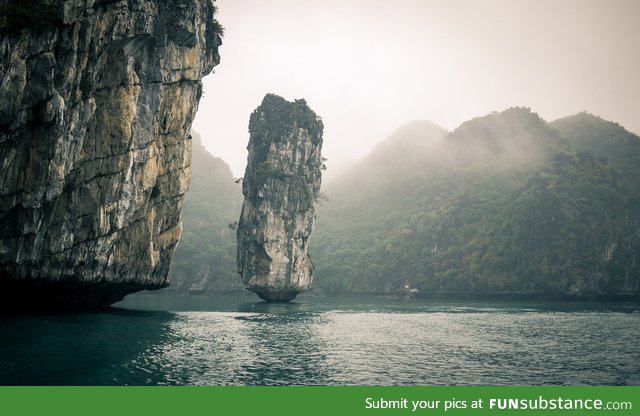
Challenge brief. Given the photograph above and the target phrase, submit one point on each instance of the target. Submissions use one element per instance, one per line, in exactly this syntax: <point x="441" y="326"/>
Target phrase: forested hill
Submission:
<point x="506" y="203"/>
<point x="206" y="256"/>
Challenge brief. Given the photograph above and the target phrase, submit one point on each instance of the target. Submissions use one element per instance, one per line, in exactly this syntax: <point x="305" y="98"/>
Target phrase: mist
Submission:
<point x="369" y="67"/>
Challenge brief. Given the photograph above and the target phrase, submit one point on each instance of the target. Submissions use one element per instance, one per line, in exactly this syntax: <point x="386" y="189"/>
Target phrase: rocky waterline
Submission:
<point x="280" y="186"/>
<point x="94" y="146"/>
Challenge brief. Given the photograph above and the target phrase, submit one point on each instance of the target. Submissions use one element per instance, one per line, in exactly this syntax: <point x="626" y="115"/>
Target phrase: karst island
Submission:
<point x="280" y="186"/>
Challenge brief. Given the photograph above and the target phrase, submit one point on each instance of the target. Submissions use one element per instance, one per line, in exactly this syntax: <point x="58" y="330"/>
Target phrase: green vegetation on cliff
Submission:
<point x="206" y="256"/>
<point x="16" y="15"/>
<point x="507" y="203"/>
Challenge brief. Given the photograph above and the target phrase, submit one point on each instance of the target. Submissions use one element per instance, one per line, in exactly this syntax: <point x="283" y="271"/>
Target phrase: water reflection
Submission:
<point x="240" y="342"/>
<point x="276" y="308"/>
<point x="483" y="348"/>
<point x="276" y="346"/>
<point x="286" y="346"/>
<point x="78" y="348"/>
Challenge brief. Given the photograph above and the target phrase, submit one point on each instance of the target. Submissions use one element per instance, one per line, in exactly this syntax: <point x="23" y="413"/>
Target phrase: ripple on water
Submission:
<point x="412" y="342"/>
<point x="389" y="348"/>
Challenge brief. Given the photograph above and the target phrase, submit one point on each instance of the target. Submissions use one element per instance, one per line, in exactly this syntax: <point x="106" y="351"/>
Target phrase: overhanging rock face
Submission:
<point x="95" y="153"/>
<point x="280" y="187"/>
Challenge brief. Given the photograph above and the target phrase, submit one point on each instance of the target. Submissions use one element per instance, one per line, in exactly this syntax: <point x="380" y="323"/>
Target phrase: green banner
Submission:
<point x="303" y="400"/>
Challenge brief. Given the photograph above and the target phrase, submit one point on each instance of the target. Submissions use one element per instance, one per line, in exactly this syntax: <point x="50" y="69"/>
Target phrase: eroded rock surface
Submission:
<point x="280" y="187"/>
<point x="95" y="154"/>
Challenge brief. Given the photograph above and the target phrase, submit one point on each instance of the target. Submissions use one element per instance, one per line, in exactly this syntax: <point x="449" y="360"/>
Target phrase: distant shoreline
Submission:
<point x="426" y="296"/>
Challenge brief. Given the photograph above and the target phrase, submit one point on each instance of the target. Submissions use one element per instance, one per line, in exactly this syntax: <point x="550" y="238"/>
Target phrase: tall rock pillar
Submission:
<point x="280" y="187"/>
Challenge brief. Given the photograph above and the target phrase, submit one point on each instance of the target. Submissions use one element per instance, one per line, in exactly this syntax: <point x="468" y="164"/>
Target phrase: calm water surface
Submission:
<point x="205" y="340"/>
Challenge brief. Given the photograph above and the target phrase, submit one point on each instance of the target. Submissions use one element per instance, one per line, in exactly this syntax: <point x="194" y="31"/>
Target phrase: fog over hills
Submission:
<point x="505" y="204"/>
<point x="206" y="256"/>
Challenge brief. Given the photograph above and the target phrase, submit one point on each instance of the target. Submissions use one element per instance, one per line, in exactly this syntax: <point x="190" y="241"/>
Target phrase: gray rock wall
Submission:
<point x="95" y="113"/>
<point x="280" y="187"/>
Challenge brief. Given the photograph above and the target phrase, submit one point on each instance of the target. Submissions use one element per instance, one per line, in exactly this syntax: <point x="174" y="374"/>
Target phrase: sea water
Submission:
<point x="361" y="340"/>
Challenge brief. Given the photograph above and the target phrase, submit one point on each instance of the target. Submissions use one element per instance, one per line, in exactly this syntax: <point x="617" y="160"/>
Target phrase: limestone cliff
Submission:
<point x="280" y="186"/>
<point x="96" y="106"/>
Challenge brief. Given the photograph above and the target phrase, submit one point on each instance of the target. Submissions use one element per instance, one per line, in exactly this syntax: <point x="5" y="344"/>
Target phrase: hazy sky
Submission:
<point x="369" y="66"/>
